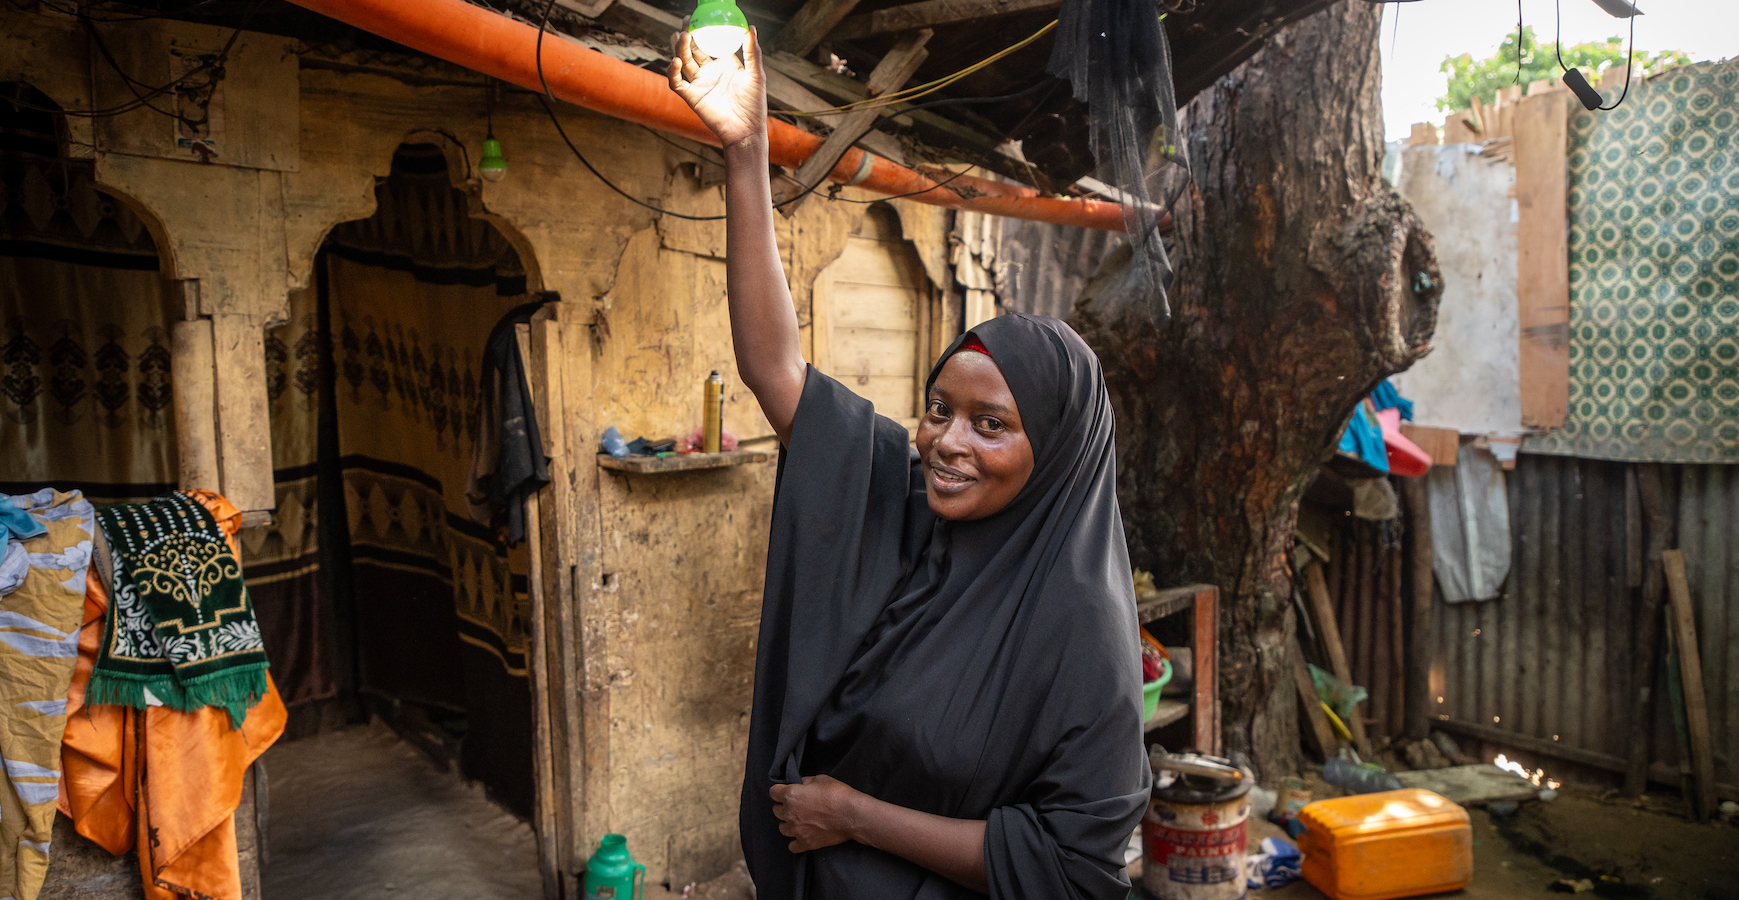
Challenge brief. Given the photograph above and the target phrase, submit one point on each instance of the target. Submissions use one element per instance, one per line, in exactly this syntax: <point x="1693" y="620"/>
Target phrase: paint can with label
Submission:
<point x="1195" y="830"/>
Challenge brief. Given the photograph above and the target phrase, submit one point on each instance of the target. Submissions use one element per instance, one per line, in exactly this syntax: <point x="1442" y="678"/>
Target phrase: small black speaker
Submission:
<point x="1584" y="91"/>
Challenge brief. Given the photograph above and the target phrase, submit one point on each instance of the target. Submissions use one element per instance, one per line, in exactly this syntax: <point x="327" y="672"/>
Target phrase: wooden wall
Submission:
<point x="650" y="583"/>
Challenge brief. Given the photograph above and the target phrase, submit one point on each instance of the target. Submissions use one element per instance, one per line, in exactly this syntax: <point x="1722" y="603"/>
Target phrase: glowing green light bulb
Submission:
<point x="718" y="27"/>
<point x="492" y="166"/>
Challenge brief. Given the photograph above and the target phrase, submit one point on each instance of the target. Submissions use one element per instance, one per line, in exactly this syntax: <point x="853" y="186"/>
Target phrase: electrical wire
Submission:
<point x="1048" y="82"/>
<point x="548" y="95"/>
<point x="1629" y="59"/>
<point x="929" y="87"/>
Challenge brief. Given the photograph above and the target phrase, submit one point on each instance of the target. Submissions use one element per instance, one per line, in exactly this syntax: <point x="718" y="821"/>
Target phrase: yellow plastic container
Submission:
<point x="1380" y="846"/>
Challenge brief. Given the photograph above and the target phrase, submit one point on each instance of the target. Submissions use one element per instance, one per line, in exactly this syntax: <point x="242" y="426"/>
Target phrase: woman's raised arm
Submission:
<point x="731" y="98"/>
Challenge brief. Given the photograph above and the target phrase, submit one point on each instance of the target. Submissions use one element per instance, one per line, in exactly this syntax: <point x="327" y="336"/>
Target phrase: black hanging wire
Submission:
<point x="1521" y="35"/>
<point x="1629" y="59"/>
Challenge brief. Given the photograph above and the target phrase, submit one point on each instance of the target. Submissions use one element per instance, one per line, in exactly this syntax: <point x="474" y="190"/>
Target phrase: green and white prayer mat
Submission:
<point x="181" y="630"/>
<point x="1654" y="274"/>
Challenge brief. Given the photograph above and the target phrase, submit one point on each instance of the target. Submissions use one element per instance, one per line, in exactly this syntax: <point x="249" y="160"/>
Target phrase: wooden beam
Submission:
<point x="1417" y="710"/>
<point x="1543" y="266"/>
<point x="1205" y="659"/>
<point x="932" y="13"/>
<point x="1684" y="625"/>
<point x="811" y="24"/>
<point x="244" y="427"/>
<point x="784" y="92"/>
<point x="1329" y="629"/>
<point x="193" y="383"/>
<point x="894" y="70"/>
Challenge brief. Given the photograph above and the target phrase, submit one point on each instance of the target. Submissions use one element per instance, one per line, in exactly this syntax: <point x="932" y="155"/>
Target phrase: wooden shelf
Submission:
<point x="1167" y="602"/>
<point x="682" y="462"/>
<point x="1169" y="711"/>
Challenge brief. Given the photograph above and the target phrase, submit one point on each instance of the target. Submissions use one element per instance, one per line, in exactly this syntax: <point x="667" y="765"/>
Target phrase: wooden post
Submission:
<point x="544" y="800"/>
<point x="194" y="385"/>
<point x="1205" y="652"/>
<point x="812" y="23"/>
<point x="1419" y="638"/>
<point x="1652" y="500"/>
<point x="244" y="426"/>
<point x="1321" y="733"/>
<point x="1543" y="266"/>
<point x="1691" y="673"/>
<point x="1337" y="654"/>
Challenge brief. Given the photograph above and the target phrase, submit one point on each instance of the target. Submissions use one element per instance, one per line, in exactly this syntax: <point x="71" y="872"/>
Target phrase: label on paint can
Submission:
<point x="1195" y="852"/>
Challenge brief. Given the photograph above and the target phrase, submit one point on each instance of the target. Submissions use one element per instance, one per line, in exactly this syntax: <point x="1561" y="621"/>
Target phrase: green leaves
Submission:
<point x="1469" y="78"/>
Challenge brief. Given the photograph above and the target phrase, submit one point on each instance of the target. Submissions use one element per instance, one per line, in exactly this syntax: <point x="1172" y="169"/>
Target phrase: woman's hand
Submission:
<point x="729" y="96"/>
<point x="817" y="813"/>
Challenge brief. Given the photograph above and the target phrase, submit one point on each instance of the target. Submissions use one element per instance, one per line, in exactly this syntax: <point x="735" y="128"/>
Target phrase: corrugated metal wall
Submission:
<point x="1552" y="658"/>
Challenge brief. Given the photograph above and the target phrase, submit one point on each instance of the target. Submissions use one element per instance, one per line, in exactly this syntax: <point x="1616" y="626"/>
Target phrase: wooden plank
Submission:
<point x="687" y="462"/>
<point x="194" y="384"/>
<point x="1456" y="130"/>
<point x="1543" y="265"/>
<point x="1423" y="133"/>
<point x="1167" y="602"/>
<point x="1329" y="630"/>
<point x="931" y="14"/>
<point x="1651" y="499"/>
<point x="1320" y="733"/>
<point x="1419" y="641"/>
<point x="1167" y="712"/>
<point x="244" y="425"/>
<point x="1471" y="785"/>
<point x="544" y="800"/>
<point x="811" y="24"/>
<point x="784" y="92"/>
<point x="1684" y="624"/>
<point x="1442" y="443"/>
<point x="1659" y="773"/>
<point x="1205" y="655"/>
<point x="250" y="837"/>
<point x="894" y="70"/>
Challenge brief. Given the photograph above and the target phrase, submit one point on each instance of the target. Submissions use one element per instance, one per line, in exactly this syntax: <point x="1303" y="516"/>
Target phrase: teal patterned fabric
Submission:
<point x="1654" y="274"/>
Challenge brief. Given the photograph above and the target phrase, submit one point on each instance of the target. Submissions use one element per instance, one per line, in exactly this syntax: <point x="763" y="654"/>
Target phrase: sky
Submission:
<point x="1433" y="29"/>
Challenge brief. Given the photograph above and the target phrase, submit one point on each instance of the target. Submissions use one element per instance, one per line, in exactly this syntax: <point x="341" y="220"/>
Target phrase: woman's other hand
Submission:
<point x="817" y="813"/>
<point x="728" y="95"/>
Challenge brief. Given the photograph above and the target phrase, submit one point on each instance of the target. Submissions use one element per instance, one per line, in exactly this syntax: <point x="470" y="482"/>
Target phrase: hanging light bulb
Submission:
<point x="718" y="27"/>
<point x="492" y="165"/>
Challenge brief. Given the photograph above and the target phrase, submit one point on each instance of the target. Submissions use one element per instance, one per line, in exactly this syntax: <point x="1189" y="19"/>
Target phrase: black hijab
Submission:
<point x="980" y="670"/>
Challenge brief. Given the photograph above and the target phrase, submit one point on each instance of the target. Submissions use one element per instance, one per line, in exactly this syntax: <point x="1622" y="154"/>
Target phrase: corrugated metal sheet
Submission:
<point x="1551" y="659"/>
<point x="1042" y="268"/>
<point x="1364" y="579"/>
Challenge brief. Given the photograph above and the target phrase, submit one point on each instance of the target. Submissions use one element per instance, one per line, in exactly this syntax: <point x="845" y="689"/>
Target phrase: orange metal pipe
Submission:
<point x="505" y="49"/>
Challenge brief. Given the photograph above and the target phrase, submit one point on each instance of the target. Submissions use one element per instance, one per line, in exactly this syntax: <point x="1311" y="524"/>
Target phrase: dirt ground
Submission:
<point x="1622" y="850"/>
<point x="360" y="815"/>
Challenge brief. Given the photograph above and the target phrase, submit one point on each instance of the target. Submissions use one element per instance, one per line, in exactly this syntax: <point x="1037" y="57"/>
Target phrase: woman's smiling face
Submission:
<point x="975" y="451"/>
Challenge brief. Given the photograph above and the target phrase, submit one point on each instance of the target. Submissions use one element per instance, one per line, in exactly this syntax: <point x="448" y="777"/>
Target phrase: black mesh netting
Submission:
<point x="1115" y="55"/>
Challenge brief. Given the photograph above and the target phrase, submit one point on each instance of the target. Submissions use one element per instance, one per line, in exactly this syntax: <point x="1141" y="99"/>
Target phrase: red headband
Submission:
<point x="973" y="343"/>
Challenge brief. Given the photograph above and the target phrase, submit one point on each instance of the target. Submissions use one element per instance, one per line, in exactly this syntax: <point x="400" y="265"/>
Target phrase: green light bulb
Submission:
<point x="718" y="27"/>
<point x="492" y="166"/>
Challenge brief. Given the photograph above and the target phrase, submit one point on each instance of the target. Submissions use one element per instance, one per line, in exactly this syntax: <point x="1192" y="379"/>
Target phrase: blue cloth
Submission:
<point x="1363" y="438"/>
<point x="1386" y="397"/>
<point x="1278" y="865"/>
<point x="14" y="521"/>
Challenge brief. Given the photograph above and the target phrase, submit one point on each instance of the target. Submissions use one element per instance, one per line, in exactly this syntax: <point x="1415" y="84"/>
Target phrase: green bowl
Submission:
<point x="1151" y="690"/>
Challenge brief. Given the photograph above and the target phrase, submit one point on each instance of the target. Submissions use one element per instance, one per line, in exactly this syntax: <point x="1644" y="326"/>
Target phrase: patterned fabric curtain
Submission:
<point x="84" y="332"/>
<point x="395" y="593"/>
<point x="1654" y="274"/>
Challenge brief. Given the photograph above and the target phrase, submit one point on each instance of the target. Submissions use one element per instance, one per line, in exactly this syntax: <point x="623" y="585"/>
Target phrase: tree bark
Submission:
<point x="1294" y="298"/>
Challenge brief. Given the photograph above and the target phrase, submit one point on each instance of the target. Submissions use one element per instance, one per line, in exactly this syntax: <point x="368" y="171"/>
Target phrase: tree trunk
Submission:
<point x="1294" y="298"/>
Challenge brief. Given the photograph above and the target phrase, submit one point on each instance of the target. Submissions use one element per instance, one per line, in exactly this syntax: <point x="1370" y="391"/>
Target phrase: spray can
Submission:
<point x="713" y="415"/>
<point x="610" y="873"/>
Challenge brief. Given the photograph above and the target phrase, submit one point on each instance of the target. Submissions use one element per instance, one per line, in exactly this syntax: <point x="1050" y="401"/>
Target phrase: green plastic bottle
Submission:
<point x="611" y="872"/>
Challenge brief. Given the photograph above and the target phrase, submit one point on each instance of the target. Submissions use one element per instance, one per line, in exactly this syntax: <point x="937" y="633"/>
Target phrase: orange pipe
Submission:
<point x="502" y="48"/>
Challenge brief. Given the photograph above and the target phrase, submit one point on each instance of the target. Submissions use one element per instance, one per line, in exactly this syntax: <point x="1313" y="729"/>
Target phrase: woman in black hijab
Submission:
<point x="947" y="691"/>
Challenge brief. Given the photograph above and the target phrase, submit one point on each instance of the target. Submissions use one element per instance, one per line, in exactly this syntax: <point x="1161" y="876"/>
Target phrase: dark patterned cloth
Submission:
<point x="181" y="628"/>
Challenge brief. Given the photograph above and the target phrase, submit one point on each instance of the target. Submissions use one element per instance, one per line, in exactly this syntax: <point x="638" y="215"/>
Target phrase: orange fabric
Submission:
<point x="176" y="776"/>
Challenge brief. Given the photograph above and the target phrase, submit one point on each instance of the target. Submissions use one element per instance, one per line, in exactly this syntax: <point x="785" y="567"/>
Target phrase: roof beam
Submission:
<point x="930" y="14"/>
<point x="890" y="74"/>
<point x="811" y="24"/>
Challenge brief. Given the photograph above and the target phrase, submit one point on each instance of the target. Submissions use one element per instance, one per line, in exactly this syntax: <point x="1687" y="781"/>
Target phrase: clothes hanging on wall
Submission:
<point x="1470" y="525"/>
<point x="39" y="625"/>
<point x="183" y="634"/>
<point x="509" y="463"/>
<point x="173" y="776"/>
